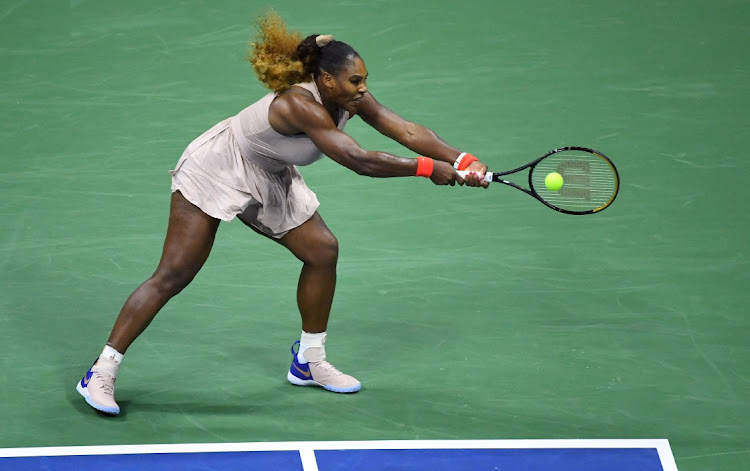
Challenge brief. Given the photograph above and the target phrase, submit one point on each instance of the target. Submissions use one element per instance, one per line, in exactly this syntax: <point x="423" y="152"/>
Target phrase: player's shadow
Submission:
<point x="202" y="402"/>
<point x="258" y="402"/>
<point x="195" y="398"/>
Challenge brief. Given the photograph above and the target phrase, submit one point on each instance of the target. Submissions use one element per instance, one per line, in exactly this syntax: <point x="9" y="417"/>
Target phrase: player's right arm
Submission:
<point x="295" y="111"/>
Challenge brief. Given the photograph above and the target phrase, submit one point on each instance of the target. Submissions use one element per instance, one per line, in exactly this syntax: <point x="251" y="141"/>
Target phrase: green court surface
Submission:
<point x="466" y="314"/>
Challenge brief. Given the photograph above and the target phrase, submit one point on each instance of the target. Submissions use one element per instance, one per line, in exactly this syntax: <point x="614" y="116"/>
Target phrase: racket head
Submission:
<point x="590" y="180"/>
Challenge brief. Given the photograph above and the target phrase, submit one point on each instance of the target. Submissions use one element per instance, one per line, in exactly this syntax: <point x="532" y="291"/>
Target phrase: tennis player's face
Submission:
<point x="351" y="85"/>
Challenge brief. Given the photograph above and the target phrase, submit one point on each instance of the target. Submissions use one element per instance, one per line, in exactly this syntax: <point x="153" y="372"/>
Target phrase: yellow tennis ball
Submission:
<point x="553" y="181"/>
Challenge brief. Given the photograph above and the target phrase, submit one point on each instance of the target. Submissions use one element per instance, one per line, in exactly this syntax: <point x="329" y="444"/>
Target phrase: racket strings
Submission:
<point x="589" y="181"/>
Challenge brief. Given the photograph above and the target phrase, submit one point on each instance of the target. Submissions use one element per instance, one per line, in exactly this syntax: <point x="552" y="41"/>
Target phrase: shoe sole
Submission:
<point x="107" y="410"/>
<point x="308" y="382"/>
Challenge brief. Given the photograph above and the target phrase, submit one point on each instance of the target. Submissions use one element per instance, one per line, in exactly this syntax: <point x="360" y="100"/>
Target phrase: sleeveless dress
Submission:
<point x="242" y="167"/>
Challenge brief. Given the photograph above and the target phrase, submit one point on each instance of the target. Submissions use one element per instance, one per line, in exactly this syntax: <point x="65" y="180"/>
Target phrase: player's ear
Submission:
<point x="327" y="79"/>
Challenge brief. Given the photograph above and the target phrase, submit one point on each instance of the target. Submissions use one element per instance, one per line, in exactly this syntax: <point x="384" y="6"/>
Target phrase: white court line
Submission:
<point x="306" y="449"/>
<point x="307" y="455"/>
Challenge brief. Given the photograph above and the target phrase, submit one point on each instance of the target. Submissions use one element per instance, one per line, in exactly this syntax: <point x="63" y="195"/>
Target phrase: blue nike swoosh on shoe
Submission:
<point x="300" y="370"/>
<point x="85" y="380"/>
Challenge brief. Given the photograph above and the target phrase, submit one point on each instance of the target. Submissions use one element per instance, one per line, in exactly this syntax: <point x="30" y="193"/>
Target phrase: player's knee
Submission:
<point x="169" y="281"/>
<point x="324" y="252"/>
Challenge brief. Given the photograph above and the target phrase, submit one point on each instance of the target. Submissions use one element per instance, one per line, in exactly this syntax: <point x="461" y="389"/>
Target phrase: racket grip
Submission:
<point x="487" y="176"/>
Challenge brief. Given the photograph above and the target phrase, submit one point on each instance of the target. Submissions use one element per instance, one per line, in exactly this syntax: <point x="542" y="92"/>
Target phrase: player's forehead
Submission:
<point x="354" y="68"/>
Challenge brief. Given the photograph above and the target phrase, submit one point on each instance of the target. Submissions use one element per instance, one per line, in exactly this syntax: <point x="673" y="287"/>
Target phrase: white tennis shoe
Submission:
<point x="98" y="386"/>
<point x="316" y="371"/>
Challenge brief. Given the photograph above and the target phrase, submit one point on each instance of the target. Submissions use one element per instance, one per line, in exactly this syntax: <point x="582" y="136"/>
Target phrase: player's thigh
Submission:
<point x="190" y="237"/>
<point x="312" y="242"/>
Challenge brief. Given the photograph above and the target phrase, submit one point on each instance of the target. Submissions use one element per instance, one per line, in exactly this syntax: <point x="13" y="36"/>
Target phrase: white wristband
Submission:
<point x="457" y="163"/>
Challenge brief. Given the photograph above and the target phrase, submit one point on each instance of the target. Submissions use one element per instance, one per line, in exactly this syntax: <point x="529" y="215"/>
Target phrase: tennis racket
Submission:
<point x="590" y="180"/>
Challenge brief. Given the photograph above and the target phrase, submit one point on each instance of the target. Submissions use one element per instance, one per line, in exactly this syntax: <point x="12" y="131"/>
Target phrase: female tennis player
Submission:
<point x="246" y="167"/>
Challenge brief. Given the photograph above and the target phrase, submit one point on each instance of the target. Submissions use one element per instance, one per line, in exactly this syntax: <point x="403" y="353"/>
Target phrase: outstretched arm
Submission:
<point x="413" y="136"/>
<point x="296" y="112"/>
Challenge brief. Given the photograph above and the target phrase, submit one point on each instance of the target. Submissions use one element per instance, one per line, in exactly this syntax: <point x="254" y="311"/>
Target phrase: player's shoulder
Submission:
<point x="297" y="91"/>
<point x="295" y="110"/>
<point x="296" y="100"/>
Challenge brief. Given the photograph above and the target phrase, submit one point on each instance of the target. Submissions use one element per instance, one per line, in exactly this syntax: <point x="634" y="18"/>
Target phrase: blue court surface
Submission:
<point x="441" y="455"/>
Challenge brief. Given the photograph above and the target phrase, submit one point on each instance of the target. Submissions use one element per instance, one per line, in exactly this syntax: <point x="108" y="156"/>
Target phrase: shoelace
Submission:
<point x="107" y="383"/>
<point x="328" y="368"/>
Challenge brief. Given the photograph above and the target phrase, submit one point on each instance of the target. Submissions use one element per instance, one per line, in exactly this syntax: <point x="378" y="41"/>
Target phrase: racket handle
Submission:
<point x="487" y="176"/>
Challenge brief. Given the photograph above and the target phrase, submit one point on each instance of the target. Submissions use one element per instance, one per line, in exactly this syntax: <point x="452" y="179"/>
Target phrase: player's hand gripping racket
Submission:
<point x="586" y="181"/>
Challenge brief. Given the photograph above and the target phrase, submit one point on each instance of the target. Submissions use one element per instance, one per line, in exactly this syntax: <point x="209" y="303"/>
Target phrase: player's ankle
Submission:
<point x="315" y="342"/>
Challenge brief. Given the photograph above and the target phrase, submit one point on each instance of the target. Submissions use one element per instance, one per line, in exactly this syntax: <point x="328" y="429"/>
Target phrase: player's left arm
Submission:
<point x="415" y="137"/>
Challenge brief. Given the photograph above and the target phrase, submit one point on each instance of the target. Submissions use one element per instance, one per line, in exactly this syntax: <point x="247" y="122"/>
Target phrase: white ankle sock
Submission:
<point x="308" y="340"/>
<point x="111" y="354"/>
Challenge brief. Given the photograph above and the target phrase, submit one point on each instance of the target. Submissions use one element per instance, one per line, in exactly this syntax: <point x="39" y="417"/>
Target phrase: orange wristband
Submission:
<point x="464" y="160"/>
<point x="425" y="165"/>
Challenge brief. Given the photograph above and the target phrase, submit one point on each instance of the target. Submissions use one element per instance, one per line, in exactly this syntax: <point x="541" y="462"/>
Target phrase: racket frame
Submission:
<point x="497" y="177"/>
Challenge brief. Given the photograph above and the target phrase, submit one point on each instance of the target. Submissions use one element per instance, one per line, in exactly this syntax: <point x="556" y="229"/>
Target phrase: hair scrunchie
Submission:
<point x="323" y="39"/>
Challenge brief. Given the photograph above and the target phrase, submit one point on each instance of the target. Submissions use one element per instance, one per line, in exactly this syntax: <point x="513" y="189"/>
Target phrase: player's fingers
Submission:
<point x="480" y="180"/>
<point x="474" y="179"/>
<point x="467" y="180"/>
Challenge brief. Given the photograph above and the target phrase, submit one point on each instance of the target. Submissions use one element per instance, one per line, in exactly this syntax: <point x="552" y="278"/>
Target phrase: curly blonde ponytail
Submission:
<point x="274" y="54"/>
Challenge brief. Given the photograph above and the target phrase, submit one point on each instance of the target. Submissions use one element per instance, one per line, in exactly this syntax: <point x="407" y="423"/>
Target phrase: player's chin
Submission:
<point x="352" y="107"/>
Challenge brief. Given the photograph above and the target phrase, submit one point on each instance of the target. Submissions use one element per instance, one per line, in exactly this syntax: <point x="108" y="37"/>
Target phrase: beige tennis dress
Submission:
<point x="242" y="167"/>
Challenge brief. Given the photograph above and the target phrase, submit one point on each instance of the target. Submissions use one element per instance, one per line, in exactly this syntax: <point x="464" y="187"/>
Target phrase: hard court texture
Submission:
<point x="466" y="314"/>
